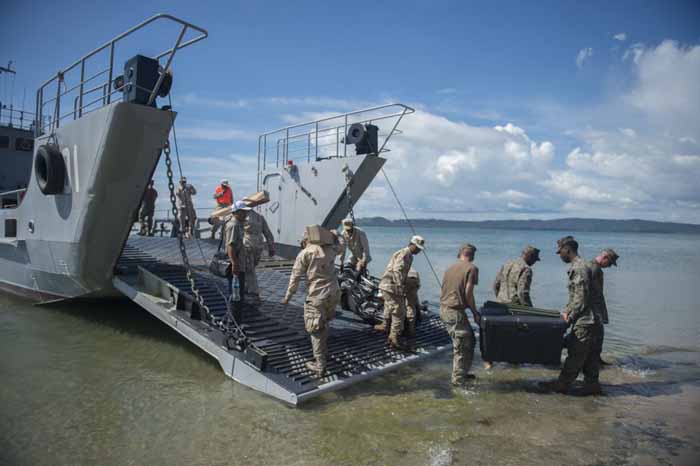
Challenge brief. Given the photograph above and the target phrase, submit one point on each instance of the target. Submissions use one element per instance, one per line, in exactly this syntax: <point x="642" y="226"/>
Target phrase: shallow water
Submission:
<point x="108" y="384"/>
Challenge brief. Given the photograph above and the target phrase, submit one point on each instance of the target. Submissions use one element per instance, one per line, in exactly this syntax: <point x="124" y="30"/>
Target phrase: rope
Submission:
<point x="408" y="221"/>
<point x="177" y="151"/>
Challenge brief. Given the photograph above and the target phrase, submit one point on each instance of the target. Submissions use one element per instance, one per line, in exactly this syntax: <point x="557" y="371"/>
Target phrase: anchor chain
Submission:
<point x="348" y="192"/>
<point x="180" y="238"/>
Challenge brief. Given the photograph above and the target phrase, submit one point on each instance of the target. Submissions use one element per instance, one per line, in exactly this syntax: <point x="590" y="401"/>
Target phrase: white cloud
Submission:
<point x="215" y="132"/>
<point x="583" y="56"/>
<point x="621" y="36"/>
<point x="447" y="90"/>
<point x="635" y="52"/>
<point x="629" y="132"/>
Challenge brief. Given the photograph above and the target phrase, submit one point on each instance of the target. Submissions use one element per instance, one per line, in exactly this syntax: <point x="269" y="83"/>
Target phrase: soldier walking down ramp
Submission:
<point x="233" y="235"/>
<point x="456" y="296"/>
<point x="257" y="235"/>
<point x="187" y="216"/>
<point x="605" y="259"/>
<point x="316" y="262"/>
<point x="393" y="288"/>
<point x="584" y="342"/>
<point x="148" y="208"/>
<point x="224" y="198"/>
<point x="355" y="240"/>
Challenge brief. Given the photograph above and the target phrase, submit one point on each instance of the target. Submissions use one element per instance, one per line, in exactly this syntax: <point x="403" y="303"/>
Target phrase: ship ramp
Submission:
<point x="150" y="272"/>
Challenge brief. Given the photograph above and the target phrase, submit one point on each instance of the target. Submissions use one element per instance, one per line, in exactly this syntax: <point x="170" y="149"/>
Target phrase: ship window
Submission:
<point x="24" y="144"/>
<point x="10" y="228"/>
<point x="4" y="142"/>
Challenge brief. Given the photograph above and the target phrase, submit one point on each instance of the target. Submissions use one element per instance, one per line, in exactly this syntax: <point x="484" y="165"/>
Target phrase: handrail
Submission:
<point x="14" y="191"/>
<point x="59" y="78"/>
<point x="287" y="141"/>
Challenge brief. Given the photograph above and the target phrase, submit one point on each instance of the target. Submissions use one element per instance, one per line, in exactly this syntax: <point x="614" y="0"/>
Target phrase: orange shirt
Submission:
<point x="226" y="198"/>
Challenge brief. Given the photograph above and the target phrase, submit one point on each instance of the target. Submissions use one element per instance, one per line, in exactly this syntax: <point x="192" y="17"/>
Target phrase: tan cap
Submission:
<point x="348" y="223"/>
<point x="566" y="241"/>
<point x="532" y="250"/>
<point x="612" y="255"/>
<point x="418" y="241"/>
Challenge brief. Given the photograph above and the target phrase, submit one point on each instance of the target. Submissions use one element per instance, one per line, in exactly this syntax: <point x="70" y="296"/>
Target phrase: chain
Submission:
<point x="181" y="241"/>
<point x="348" y="193"/>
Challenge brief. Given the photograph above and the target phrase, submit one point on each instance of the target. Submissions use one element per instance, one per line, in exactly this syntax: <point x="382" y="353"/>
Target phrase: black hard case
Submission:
<point x="520" y="339"/>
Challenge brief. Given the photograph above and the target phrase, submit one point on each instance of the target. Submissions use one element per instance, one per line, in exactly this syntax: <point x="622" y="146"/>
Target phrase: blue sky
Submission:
<point x="526" y="109"/>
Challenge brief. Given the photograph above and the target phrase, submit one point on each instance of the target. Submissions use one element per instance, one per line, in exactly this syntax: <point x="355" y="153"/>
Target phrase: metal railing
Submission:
<point x="325" y="137"/>
<point x="14" y="118"/>
<point x="103" y="78"/>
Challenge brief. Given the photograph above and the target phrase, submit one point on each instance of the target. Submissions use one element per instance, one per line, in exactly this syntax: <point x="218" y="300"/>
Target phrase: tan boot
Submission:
<point x="314" y="367"/>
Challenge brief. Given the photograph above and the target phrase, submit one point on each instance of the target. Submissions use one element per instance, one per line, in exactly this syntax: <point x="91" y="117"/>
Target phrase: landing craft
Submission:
<point x="91" y="146"/>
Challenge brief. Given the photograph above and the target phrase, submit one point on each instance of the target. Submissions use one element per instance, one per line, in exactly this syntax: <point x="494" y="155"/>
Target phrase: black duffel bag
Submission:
<point x="220" y="265"/>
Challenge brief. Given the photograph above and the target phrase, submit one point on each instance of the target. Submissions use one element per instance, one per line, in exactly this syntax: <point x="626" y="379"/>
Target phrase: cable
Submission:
<point x="405" y="215"/>
<point x="177" y="151"/>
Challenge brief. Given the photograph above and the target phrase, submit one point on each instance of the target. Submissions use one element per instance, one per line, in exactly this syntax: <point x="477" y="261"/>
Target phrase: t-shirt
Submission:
<point x="454" y="284"/>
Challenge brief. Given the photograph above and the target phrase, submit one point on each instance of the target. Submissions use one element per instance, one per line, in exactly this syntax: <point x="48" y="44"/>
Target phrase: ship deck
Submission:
<point x="150" y="272"/>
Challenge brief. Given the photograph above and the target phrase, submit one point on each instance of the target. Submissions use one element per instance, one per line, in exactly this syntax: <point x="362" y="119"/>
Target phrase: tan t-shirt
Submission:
<point x="454" y="284"/>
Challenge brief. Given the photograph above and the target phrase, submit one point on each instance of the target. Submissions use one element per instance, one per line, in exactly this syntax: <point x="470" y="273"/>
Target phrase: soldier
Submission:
<point x="456" y="296"/>
<point x="412" y="302"/>
<point x="224" y="198"/>
<point x="355" y="240"/>
<point x="148" y="208"/>
<point x="605" y="259"/>
<point x="187" y="216"/>
<point x="317" y="263"/>
<point x="513" y="281"/>
<point x="583" y="344"/>
<point x="256" y="229"/>
<point x="393" y="288"/>
<point x="234" y="234"/>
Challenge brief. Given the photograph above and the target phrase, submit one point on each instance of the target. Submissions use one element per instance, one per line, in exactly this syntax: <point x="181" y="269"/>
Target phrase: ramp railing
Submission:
<point x="326" y="137"/>
<point x="95" y="87"/>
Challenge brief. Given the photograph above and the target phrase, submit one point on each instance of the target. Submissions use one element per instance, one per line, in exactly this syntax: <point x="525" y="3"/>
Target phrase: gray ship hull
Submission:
<point x="66" y="245"/>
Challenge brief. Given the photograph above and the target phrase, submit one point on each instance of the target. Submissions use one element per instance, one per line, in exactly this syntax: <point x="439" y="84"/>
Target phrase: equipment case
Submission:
<point x="520" y="338"/>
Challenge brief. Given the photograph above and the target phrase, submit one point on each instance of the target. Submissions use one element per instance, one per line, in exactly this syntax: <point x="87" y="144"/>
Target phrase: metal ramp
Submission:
<point x="148" y="272"/>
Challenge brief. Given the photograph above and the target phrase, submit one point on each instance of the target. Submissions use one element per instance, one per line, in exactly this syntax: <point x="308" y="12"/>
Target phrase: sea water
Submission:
<point x="108" y="384"/>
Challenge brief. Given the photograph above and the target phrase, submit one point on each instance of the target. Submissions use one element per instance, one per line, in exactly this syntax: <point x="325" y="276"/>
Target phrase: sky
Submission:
<point x="524" y="109"/>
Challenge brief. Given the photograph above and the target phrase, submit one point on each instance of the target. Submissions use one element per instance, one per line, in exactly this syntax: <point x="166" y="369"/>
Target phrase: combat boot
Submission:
<point x="314" y="367"/>
<point x="396" y="344"/>
<point x="554" y="386"/>
<point x="410" y="330"/>
<point x="591" y="389"/>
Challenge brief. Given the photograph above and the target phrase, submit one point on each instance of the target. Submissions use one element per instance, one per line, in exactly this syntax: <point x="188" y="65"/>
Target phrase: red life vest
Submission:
<point x="226" y="199"/>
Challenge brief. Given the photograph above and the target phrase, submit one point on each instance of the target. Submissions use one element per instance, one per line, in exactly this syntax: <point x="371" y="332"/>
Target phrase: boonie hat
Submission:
<point x="418" y="241"/>
<point x="566" y="241"/>
<point x="532" y="250"/>
<point x="612" y="255"/>
<point x="239" y="205"/>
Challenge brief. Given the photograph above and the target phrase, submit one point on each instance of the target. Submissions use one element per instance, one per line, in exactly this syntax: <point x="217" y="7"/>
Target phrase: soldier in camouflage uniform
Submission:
<point x="412" y="302"/>
<point x="187" y="215"/>
<point x="256" y="230"/>
<point x="355" y="240"/>
<point x="393" y="288"/>
<point x="234" y="232"/>
<point x="512" y="285"/>
<point x="456" y="296"/>
<point x="584" y="342"/>
<point x="148" y="208"/>
<point x="605" y="259"/>
<point x="316" y="262"/>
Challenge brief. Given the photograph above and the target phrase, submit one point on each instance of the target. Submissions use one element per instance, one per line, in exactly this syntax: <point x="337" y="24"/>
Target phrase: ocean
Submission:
<point x="84" y="384"/>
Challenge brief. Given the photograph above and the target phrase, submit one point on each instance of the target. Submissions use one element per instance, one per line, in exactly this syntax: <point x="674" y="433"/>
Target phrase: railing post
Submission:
<point x="59" y="79"/>
<point x="80" y="96"/>
<point x="111" y="66"/>
<point x="152" y="97"/>
<point x="345" y="135"/>
<point x="316" y="139"/>
<point x="308" y="147"/>
<point x="286" y="148"/>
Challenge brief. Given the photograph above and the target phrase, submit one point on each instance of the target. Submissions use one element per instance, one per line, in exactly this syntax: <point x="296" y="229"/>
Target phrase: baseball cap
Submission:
<point x="612" y="255"/>
<point x="239" y="205"/>
<point x="532" y="250"/>
<point x="566" y="241"/>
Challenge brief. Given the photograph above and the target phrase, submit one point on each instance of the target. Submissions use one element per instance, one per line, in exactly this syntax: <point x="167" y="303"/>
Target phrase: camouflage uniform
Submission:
<point x="317" y="264"/>
<point x="585" y="339"/>
<point x="412" y="302"/>
<point x="598" y="300"/>
<point x="359" y="247"/>
<point x="512" y="283"/>
<point x="148" y="208"/>
<point x="233" y="236"/>
<point x="187" y="215"/>
<point x="393" y="288"/>
<point x="255" y="229"/>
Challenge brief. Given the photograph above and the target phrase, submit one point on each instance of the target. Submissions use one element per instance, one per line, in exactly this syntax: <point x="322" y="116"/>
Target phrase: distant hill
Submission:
<point x="564" y="224"/>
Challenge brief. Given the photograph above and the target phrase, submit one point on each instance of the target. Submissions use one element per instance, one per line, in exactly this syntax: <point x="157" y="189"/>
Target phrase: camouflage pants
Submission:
<point x="252" y="255"/>
<point x="394" y="311"/>
<point x="463" y="342"/>
<point x="216" y="223"/>
<point x="583" y="348"/>
<point x="411" y="308"/>
<point x="146" y="221"/>
<point x="188" y="220"/>
<point x="317" y="315"/>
